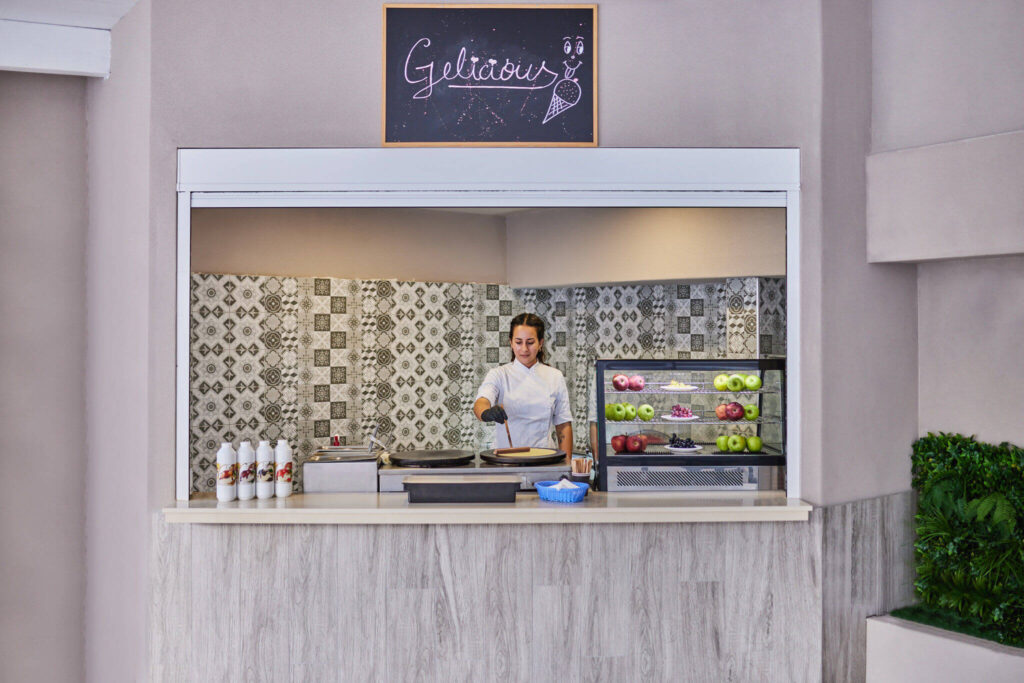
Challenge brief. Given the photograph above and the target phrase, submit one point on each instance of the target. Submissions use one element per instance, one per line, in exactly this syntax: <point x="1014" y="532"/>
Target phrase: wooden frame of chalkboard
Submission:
<point x="479" y="76"/>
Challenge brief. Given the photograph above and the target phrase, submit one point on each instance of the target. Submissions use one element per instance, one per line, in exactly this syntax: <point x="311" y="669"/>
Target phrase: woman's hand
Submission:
<point x="495" y="414"/>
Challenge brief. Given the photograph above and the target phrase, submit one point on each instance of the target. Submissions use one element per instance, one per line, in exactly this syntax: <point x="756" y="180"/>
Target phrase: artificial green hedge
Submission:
<point x="970" y="531"/>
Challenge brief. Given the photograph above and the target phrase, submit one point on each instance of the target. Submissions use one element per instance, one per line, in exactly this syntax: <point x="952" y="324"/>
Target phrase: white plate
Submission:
<point x="666" y="387"/>
<point x="680" y="419"/>
<point x="683" y="450"/>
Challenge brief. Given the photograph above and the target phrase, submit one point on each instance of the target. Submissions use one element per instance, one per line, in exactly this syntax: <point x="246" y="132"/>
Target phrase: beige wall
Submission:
<point x="961" y="78"/>
<point x="945" y="71"/>
<point x="869" y="339"/>
<point x="953" y="200"/>
<point x="405" y="244"/>
<point x="42" y="368"/>
<point x="558" y="247"/>
<point x="118" y="298"/>
<point x="971" y="335"/>
<point x="958" y="81"/>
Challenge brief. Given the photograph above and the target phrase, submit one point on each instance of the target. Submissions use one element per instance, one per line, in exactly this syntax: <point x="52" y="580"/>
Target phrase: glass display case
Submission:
<point x="691" y="424"/>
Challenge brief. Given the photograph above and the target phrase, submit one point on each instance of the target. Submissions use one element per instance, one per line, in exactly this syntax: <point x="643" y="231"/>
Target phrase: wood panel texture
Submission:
<point x="867" y="560"/>
<point x="776" y="601"/>
<point x="657" y="602"/>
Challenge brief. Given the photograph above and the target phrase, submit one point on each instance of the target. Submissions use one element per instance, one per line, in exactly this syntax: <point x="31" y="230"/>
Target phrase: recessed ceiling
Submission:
<point x="85" y="13"/>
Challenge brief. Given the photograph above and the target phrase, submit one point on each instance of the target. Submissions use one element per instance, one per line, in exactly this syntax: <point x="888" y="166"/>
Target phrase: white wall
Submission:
<point x="42" y="368"/>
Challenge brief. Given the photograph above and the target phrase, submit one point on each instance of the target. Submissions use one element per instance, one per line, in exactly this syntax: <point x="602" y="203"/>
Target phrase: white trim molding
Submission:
<point x="52" y="49"/>
<point x="485" y="177"/>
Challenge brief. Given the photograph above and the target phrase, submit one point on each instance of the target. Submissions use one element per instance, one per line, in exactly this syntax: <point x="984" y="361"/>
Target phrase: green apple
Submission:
<point x="645" y="412"/>
<point x="618" y="412"/>
<point x="609" y="411"/>
<point x="750" y="411"/>
<point x="721" y="382"/>
<point x="736" y="383"/>
<point x="737" y="443"/>
<point x="753" y="382"/>
<point x="630" y="411"/>
<point x="722" y="442"/>
<point x="754" y="444"/>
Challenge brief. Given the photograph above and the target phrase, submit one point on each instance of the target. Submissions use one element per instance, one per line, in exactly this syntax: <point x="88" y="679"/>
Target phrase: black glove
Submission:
<point x="494" y="414"/>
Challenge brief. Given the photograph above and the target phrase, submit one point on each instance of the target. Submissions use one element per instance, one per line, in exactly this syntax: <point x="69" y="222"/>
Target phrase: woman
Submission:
<point x="532" y="396"/>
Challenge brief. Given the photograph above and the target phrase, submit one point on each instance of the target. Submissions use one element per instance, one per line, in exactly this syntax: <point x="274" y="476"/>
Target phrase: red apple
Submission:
<point x="636" y="383"/>
<point x="643" y="440"/>
<point x="720" y="412"/>
<point x="635" y="443"/>
<point x="734" y="411"/>
<point x="619" y="443"/>
<point x="620" y="382"/>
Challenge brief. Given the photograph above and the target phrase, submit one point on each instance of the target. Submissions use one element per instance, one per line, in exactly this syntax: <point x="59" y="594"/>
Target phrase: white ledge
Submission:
<point x="597" y="508"/>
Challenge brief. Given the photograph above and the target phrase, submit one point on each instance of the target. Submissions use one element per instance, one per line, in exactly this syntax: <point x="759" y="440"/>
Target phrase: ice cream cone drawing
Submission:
<point x="566" y="94"/>
<point x="567" y="91"/>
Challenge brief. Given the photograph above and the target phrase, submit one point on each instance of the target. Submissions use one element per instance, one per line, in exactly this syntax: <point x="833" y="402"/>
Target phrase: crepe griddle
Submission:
<point x="549" y="457"/>
<point x="450" y="458"/>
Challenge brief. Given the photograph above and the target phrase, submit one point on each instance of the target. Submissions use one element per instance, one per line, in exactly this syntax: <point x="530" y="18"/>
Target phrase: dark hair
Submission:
<point x="528" y="320"/>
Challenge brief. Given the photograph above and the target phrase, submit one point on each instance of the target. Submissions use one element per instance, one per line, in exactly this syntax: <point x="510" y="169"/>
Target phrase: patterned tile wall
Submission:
<point x="771" y="316"/>
<point x="306" y="358"/>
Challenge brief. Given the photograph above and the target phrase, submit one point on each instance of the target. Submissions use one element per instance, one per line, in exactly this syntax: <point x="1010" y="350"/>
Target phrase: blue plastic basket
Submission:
<point x="545" y="492"/>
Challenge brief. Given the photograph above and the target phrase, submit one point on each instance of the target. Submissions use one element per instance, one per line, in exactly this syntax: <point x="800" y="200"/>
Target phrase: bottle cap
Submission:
<point x="225" y="443"/>
<point x="264" y="443"/>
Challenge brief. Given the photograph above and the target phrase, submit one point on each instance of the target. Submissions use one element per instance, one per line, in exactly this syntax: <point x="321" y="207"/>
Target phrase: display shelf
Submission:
<point x="769" y="455"/>
<point x="708" y="467"/>
<point x="701" y="421"/>
<point x="694" y="392"/>
<point x="697" y="459"/>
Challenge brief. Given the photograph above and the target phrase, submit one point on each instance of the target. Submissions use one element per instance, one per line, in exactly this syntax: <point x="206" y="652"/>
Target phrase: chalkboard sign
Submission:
<point x="490" y="75"/>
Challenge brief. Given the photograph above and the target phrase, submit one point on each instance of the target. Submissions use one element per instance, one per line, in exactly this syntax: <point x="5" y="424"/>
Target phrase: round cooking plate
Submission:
<point x="536" y="456"/>
<point x="450" y="458"/>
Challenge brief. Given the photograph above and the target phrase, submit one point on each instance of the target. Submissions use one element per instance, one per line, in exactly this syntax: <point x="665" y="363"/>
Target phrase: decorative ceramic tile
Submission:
<point x="307" y="358"/>
<point x="741" y="317"/>
<point x="226" y="395"/>
<point x="771" y="314"/>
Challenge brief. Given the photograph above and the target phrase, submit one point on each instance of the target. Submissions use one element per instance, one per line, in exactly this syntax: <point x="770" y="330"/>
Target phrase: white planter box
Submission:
<point x="908" y="652"/>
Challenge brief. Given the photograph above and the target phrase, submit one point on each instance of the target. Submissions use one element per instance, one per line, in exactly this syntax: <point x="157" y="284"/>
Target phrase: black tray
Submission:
<point x="462" y="488"/>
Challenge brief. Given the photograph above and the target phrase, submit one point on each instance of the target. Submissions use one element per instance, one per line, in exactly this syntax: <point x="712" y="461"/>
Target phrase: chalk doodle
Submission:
<point x="567" y="92"/>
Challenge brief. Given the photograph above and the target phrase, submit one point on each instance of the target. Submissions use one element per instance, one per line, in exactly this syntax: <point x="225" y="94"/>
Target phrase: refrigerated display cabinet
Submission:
<point x="679" y="401"/>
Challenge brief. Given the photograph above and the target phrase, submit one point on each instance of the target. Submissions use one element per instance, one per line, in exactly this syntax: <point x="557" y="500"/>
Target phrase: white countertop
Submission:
<point x="597" y="508"/>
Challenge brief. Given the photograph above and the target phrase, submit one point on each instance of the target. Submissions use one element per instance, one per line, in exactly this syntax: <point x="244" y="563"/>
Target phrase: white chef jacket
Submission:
<point x="535" y="399"/>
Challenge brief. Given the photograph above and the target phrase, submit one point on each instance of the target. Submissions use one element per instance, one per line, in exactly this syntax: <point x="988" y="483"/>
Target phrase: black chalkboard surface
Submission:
<point x="490" y="75"/>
